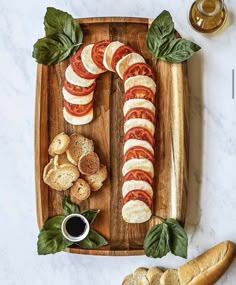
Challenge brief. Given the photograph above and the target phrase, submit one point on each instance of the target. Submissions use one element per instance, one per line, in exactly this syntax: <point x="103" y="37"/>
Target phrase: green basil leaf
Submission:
<point x="52" y="49"/>
<point x="178" y="238"/>
<point x="93" y="240"/>
<point x="69" y="207"/>
<point x="57" y="21"/>
<point x="156" y="242"/>
<point x="50" y="239"/>
<point x="179" y="50"/>
<point x="90" y="215"/>
<point x="160" y="32"/>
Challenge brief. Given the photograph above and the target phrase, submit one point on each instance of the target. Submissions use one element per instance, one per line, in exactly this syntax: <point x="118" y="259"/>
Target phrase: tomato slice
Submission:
<point x="138" y="174"/>
<point x="119" y="53"/>
<point x="98" y="53"/>
<point x="78" y="66"/>
<point x="138" y="152"/>
<point x="140" y="92"/>
<point x="138" y="195"/>
<point x="139" y="68"/>
<point x="78" y="110"/>
<point x="140" y="113"/>
<point x="139" y="133"/>
<point x="78" y="90"/>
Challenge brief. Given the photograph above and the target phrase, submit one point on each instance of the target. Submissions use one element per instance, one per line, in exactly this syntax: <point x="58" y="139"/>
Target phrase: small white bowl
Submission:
<point x="72" y="238"/>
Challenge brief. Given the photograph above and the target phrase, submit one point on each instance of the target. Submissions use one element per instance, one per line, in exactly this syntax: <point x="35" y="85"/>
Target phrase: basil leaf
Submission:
<point x="57" y="21"/>
<point x="90" y="215"/>
<point x="178" y="238"/>
<point x="69" y="207"/>
<point x="179" y="50"/>
<point x="93" y="240"/>
<point x="52" y="49"/>
<point x="160" y="32"/>
<point x="156" y="242"/>
<point x="50" y="239"/>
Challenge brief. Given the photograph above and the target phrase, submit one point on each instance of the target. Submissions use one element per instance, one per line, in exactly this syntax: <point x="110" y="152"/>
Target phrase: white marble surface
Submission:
<point x="212" y="199"/>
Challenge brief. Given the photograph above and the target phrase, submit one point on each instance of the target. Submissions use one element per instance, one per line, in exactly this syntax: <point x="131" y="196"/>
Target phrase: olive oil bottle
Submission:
<point x="207" y="16"/>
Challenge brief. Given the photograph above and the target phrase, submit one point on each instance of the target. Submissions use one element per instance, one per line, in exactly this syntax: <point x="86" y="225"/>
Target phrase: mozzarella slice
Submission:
<point x="138" y="103"/>
<point x="78" y="121"/>
<point x="125" y="62"/>
<point x="136" y="185"/>
<point x="81" y="100"/>
<point x="89" y="64"/>
<point x="138" y="163"/>
<point x="136" y="211"/>
<point x="133" y="142"/>
<point x="108" y="54"/>
<point x="144" y="123"/>
<point x="140" y="80"/>
<point x="75" y="79"/>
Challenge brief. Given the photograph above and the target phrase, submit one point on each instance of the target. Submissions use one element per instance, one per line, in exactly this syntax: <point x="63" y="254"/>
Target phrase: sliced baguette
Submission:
<point x="61" y="159"/>
<point x="89" y="163"/>
<point x="80" y="190"/>
<point x="96" y="180"/>
<point x="139" y="274"/>
<point x="129" y="280"/>
<point x="170" y="277"/>
<point x="47" y="168"/>
<point x="153" y="275"/>
<point x="59" y="144"/>
<point x="78" y="146"/>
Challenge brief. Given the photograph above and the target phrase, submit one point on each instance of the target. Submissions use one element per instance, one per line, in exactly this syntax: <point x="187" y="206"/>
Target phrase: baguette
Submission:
<point x="128" y="280"/>
<point x="139" y="274"/>
<point x="153" y="275"/>
<point x="207" y="268"/>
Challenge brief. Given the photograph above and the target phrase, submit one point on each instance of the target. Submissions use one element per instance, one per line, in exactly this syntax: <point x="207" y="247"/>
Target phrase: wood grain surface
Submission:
<point x="172" y="138"/>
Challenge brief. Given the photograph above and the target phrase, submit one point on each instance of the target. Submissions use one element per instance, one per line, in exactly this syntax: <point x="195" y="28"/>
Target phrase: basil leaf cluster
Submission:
<point x="165" y="237"/>
<point x="51" y="239"/>
<point x="63" y="37"/>
<point x="163" y="44"/>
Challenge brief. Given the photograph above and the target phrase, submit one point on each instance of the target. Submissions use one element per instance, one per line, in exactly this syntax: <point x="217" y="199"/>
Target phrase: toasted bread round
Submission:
<point x="136" y="211"/>
<point x="80" y="190"/>
<point x="61" y="159"/>
<point x="47" y="168"/>
<point x="59" y="144"/>
<point x="62" y="177"/>
<point x="96" y="180"/>
<point x="78" y="146"/>
<point x="129" y="280"/>
<point x="89" y="163"/>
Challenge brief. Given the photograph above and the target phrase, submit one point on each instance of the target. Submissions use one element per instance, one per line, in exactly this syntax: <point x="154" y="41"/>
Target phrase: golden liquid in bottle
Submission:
<point x="207" y="16"/>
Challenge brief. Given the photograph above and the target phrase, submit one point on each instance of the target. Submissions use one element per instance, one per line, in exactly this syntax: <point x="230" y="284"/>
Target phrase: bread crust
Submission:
<point x="170" y="277"/>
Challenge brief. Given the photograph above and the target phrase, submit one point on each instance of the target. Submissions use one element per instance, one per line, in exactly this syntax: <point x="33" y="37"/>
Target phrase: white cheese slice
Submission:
<point x="108" y="54"/>
<point x="138" y="163"/>
<point x="75" y="79"/>
<point x="133" y="142"/>
<point x="78" y="121"/>
<point x="138" y="103"/>
<point x="125" y="62"/>
<point x="89" y="64"/>
<point x="81" y="100"/>
<point x="140" y="80"/>
<point x="144" y="123"/>
<point x="136" y="211"/>
<point x="136" y="185"/>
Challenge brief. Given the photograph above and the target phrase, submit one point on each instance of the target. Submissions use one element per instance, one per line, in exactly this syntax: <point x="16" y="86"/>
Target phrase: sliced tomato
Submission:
<point x="139" y="133"/>
<point x="140" y="113"/>
<point x="78" y="67"/>
<point x="119" y="53"/>
<point x="98" y="53"/>
<point x="138" y="195"/>
<point x="78" y="90"/>
<point x="140" y="92"/>
<point x="138" y="152"/>
<point x="138" y="174"/>
<point x="139" y="68"/>
<point x="78" y="110"/>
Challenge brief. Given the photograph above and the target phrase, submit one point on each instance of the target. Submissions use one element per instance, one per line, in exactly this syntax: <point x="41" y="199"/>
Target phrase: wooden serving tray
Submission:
<point x="172" y="132"/>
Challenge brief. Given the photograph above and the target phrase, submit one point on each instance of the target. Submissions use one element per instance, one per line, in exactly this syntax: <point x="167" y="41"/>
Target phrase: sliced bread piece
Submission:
<point x="61" y="159"/>
<point x="89" y="163"/>
<point x="59" y="144"/>
<point x="170" y="277"/>
<point x="80" y="190"/>
<point x="153" y="275"/>
<point x="62" y="177"/>
<point x="139" y="274"/>
<point x="96" y="180"/>
<point x="78" y="146"/>
<point x="129" y="280"/>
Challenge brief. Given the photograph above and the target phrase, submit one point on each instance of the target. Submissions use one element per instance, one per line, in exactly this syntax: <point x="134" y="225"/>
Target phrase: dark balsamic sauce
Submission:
<point x="75" y="226"/>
